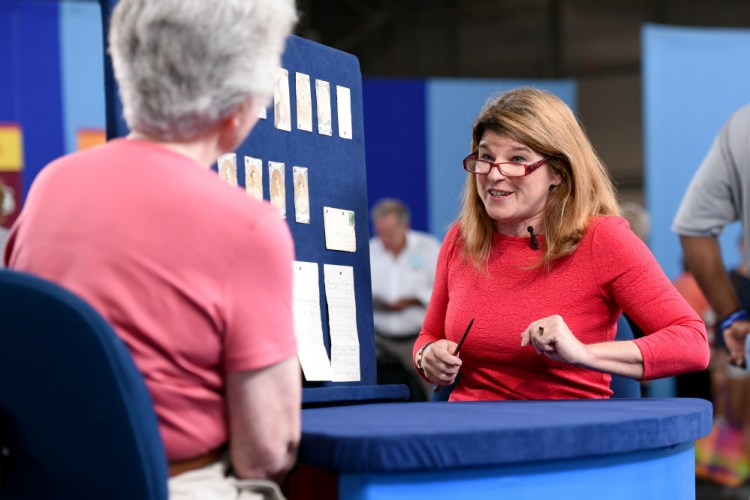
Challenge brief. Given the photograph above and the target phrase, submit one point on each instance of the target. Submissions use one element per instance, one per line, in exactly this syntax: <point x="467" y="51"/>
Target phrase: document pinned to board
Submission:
<point x="308" y="326"/>
<point x="339" y="229"/>
<point x="344" y="108"/>
<point x="342" y="322"/>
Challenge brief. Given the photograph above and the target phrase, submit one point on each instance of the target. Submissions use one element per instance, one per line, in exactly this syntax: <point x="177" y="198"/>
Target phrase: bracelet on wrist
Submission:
<point x="420" y="357"/>
<point x="738" y="315"/>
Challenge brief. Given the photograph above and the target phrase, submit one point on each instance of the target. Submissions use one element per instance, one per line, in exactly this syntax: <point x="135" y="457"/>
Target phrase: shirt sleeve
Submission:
<point x="258" y="296"/>
<point x="712" y="198"/>
<point x="675" y="340"/>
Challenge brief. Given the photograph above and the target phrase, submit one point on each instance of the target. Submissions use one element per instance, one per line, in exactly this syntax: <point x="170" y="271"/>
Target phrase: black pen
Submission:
<point x="458" y="347"/>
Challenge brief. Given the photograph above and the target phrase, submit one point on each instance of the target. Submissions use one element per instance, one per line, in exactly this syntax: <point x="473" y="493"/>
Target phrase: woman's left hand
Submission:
<point x="552" y="337"/>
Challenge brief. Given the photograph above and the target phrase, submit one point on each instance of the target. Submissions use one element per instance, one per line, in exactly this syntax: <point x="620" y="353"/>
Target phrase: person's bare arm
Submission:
<point x="703" y="259"/>
<point x="264" y="420"/>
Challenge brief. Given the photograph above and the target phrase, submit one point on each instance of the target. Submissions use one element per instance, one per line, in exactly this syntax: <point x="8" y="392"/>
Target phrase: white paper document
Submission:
<point x="344" y="109"/>
<point x="308" y="326"/>
<point x="342" y="322"/>
<point x="338" y="225"/>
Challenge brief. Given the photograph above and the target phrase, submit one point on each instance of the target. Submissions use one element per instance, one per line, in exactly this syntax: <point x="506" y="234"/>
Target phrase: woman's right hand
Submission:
<point x="439" y="364"/>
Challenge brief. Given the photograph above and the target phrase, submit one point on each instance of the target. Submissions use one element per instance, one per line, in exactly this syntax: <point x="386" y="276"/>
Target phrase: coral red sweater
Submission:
<point x="610" y="271"/>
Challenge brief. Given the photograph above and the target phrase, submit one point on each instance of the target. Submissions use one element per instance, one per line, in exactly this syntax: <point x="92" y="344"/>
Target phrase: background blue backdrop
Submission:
<point x="693" y="79"/>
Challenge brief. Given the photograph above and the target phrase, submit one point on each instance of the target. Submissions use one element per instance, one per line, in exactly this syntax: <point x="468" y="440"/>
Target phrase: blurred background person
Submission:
<point x="715" y="198"/>
<point x="191" y="272"/>
<point x="638" y="218"/>
<point x="402" y="264"/>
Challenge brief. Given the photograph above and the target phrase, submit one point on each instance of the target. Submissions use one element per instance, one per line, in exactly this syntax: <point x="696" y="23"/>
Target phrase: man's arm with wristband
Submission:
<point x="703" y="259"/>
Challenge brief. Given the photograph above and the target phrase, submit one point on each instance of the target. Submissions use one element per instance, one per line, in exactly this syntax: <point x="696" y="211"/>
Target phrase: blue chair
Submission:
<point x="76" y="419"/>
<point x="624" y="387"/>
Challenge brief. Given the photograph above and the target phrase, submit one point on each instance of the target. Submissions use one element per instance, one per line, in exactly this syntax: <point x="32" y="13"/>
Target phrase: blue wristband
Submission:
<point x="739" y="315"/>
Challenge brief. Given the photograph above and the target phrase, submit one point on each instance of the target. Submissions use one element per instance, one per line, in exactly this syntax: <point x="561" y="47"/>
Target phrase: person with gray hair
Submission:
<point x="193" y="274"/>
<point x="402" y="265"/>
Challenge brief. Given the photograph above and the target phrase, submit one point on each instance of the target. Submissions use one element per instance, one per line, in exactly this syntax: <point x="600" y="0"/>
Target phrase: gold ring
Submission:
<point x="541" y="330"/>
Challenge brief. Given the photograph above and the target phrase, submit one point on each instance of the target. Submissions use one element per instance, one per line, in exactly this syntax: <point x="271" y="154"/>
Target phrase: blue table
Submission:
<point x="614" y="449"/>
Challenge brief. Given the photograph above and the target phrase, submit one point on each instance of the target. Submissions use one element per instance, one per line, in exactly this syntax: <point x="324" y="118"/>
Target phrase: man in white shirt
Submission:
<point x="402" y="263"/>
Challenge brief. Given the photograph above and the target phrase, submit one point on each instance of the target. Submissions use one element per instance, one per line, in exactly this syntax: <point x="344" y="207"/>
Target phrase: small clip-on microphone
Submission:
<point x="533" y="243"/>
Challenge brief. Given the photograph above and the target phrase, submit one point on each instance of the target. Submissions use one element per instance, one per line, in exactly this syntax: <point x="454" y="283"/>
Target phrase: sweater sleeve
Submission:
<point x="433" y="328"/>
<point x="675" y="340"/>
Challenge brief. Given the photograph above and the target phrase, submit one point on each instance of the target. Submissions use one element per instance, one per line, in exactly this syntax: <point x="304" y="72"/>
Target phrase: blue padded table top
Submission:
<point x="400" y="437"/>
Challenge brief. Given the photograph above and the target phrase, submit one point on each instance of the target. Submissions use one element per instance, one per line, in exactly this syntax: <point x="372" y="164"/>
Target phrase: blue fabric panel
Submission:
<point x="400" y="437"/>
<point x="82" y="68"/>
<point x="692" y="82"/>
<point x="115" y="122"/>
<point x="38" y="85"/>
<point x="8" y="60"/>
<point x="646" y="475"/>
<point x="77" y="417"/>
<point x="452" y="107"/>
<point x="396" y="149"/>
<point x="336" y="169"/>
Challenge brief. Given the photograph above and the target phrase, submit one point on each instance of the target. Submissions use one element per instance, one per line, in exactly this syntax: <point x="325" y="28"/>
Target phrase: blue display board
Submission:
<point x="336" y="179"/>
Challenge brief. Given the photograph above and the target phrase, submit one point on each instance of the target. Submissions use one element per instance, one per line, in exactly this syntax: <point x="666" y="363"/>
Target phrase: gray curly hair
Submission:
<point x="183" y="65"/>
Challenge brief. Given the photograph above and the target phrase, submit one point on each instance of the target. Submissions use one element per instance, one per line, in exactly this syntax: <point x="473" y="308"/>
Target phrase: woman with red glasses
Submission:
<point x="542" y="261"/>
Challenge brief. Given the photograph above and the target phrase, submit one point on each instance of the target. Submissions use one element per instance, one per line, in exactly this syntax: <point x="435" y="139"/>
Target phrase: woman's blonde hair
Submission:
<point x="544" y="123"/>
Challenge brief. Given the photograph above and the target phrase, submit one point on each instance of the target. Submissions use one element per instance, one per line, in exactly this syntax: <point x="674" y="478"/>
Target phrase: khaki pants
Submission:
<point x="212" y="483"/>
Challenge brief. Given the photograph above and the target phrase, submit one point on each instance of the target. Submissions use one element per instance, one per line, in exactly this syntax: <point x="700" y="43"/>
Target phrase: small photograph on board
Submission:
<point x="323" y="100"/>
<point x="254" y="177"/>
<point x="228" y="168"/>
<point x="344" y="107"/>
<point x="282" y="115"/>
<point x="276" y="185"/>
<point x="262" y="113"/>
<point x="304" y="102"/>
<point x="301" y="195"/>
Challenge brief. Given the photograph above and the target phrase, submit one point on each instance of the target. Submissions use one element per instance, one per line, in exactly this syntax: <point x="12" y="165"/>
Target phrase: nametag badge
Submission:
<point x="416" y="262"/>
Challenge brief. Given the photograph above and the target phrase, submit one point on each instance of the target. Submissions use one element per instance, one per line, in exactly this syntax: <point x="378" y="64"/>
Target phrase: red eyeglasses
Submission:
<point x="508" y="168"/>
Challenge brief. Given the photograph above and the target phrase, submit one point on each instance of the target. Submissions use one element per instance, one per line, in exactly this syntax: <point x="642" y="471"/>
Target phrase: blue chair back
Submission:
<point x="76" y="419"/>
<point x="624" y="387"/>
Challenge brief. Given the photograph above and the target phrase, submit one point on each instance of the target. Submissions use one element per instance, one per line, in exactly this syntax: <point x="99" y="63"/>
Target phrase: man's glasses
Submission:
<point x="507" y="168"/>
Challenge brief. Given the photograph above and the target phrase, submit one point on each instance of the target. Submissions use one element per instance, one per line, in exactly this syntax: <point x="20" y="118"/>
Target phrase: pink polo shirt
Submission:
<point x="194" y="274"/>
